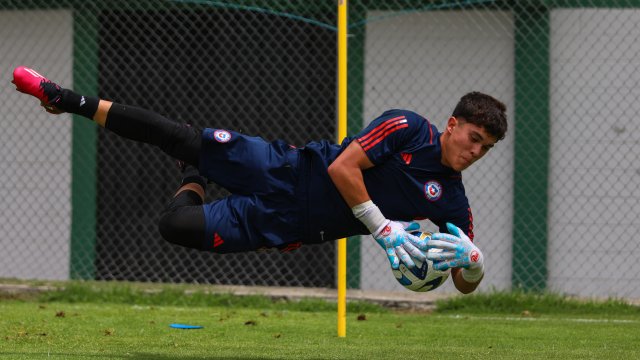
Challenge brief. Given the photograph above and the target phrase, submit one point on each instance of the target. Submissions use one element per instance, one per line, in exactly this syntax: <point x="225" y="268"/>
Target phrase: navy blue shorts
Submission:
<point x="264" y="209"/>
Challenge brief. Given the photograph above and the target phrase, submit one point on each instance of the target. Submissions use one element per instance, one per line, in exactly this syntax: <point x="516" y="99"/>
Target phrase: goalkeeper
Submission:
<point x="398" y="168"/>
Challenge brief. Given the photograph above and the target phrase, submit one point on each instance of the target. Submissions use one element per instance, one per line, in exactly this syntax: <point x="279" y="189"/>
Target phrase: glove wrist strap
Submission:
<point x="473" y="275"/>
<point x="371" y="216"/>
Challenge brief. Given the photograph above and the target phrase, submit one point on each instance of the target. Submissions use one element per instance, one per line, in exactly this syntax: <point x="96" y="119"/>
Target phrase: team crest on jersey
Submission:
<point x="222" y="136"/>
<point x="433" y="190"/>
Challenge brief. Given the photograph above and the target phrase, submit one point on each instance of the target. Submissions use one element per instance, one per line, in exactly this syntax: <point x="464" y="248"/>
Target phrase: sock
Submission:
<point x="77" y="104"/>
<point x="192" y="175"/>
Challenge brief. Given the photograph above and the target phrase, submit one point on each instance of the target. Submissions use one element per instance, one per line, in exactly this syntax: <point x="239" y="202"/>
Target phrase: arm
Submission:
<point x="346" y="174"/>
<point x="461" y="284"/>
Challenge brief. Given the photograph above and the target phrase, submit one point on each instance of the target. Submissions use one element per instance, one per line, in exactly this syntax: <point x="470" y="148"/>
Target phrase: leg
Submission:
<point x="234" y="224"/>
<point x="180" y="141"/>
<point x="183" y="223"/>
<point x="248" y="165"/>
<point x="177" y="140"/>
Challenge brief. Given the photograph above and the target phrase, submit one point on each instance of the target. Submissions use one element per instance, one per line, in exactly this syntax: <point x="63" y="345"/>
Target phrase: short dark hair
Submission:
<point x="485" y="111"/>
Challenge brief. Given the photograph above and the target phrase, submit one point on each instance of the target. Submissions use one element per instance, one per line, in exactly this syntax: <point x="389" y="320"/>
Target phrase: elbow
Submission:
<point x="466" y="291"/>
<point x="334" y="170"/>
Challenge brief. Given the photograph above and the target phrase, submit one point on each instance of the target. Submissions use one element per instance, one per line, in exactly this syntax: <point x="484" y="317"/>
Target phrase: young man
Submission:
<point x="399" y="167"/>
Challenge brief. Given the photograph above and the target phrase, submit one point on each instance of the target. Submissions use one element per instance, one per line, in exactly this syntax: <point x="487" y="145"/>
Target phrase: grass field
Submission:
<point x="120" y="322"/>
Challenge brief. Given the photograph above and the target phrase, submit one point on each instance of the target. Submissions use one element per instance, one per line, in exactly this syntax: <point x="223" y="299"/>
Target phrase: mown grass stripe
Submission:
<point x="511" y="318"/>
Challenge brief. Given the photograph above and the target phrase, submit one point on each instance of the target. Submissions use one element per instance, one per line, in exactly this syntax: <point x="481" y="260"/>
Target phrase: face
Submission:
<point x="464" y="143"/>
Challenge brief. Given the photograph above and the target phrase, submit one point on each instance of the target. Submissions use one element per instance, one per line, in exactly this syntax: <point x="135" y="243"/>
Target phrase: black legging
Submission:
<point x="182" y="221"/>
<point x="175" y="139"/>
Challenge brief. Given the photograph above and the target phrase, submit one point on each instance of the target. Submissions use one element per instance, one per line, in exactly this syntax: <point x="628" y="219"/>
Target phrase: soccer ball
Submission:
<point x="423" y="277"/>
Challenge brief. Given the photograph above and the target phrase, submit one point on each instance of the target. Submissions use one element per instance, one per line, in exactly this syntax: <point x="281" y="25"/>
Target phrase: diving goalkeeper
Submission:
<point x="399" y="168"/>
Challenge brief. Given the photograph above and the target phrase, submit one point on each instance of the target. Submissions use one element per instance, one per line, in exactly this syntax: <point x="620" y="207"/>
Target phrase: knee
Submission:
<point x="170" y="227"/>
<point x="182" y="227"/>
<point x="183" y="223"/>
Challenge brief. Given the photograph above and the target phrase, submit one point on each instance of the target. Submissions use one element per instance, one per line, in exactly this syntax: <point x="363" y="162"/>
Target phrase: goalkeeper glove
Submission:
<point x="391" y="235"/>
<point x="457" y="251"/>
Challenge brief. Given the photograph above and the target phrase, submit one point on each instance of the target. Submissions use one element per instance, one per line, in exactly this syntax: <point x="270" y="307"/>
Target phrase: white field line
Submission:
<point x="511" y="318"/>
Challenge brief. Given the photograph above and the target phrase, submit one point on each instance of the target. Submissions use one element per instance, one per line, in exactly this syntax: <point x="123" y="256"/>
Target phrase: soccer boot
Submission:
<point x="30" y="82"/>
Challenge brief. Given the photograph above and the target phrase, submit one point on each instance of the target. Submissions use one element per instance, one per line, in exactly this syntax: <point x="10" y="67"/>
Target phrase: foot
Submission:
<point x="28" y="81"/>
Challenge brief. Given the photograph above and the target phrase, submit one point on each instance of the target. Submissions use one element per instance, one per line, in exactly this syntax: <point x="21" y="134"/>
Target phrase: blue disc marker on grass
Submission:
<point x="185" y="326"/>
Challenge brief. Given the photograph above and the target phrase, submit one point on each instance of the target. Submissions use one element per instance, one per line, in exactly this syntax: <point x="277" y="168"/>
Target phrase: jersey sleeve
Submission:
<point x="392" y="133"/>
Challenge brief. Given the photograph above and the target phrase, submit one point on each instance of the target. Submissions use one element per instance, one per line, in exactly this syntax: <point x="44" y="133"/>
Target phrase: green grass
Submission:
<point x="535" y="304"/>
<point x="97" y="321"/>
<point x="185" y="295"/>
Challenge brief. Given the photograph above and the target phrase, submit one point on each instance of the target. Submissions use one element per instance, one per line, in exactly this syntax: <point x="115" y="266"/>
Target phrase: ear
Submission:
<point x="451" y="123"/>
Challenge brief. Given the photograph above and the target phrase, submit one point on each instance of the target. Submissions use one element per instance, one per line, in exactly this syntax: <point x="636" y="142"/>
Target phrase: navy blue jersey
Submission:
<point x="282" y="196"/>
<point x="408" y="181"/>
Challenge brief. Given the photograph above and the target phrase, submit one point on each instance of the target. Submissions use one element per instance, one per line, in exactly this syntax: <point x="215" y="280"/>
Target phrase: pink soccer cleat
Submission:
<point x="28" y="81"/>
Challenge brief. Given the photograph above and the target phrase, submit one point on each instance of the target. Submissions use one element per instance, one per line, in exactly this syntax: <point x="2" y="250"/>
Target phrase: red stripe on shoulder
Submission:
<point x="373" y="141"/>
<point x="382" y="125"/>
<point x="380" y="128"/>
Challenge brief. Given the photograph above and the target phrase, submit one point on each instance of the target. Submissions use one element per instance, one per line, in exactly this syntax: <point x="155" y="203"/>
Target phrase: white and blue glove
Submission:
<point x="412" y="227"/>
<point x="457" y="252"/>
<point x="399" y="244"/>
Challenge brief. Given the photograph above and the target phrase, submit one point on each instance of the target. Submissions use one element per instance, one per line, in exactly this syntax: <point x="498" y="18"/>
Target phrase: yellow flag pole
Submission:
<point x="342" y="133"/>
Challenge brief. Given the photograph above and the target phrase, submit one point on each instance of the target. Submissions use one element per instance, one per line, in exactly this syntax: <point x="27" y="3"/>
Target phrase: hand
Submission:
<point x="410" y="227"/>
<point x="399" y="244"/>
<point x="457" y="251"/>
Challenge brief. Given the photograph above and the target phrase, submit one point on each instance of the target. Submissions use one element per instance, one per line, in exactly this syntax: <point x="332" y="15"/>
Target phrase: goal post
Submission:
<point x="342" y="132"/>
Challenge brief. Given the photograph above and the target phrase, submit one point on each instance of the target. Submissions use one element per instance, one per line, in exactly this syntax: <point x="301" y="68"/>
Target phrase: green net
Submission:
<point x="554" y="204"/>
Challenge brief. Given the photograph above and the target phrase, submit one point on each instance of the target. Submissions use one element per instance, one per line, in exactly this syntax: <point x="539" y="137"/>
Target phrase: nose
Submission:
<point x="476" y="149"/>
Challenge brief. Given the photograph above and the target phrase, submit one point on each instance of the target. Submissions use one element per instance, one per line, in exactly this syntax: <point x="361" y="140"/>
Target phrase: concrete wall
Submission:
<point x="35" y="149"/>
<point x="595" y="142"/>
